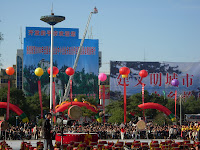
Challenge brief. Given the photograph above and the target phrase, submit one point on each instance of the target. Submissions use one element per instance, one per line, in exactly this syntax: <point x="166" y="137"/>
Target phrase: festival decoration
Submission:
<point x="158" y="107"/>
<point x="15" y="109"/>
<point x="143" y="74"/>
<point x="9" y="71"/>
<point x="175" y="83"/>
<point x="76" y="100"/>
<point x="124" y="71"/>
<point x="39" y="72"/>
<point x="55" y="71"/>
<point x="102" y="77"/>
<point x="70" y="71"/>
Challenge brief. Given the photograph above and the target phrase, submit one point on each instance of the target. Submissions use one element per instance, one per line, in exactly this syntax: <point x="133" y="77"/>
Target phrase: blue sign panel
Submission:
<point x="37" y="54"/>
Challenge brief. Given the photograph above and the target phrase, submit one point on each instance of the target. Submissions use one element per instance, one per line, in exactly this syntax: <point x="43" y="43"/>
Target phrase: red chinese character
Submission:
<point x="187" y="80"/>
<point x="61" y="33"/>
<point x="156" y="79"/>
<point x="43" y="33"/>
<point x="121" y="81"/>
<point x="67" y="33"/>
<point x="30" y="32"/>
<point x="37" y="33"/>
<point x="48" y="32"/>
<point x="169" y="78"/>
<point x="73" y="34"/>
<point x="55" y="33"/>
<point x="139" y="82"/>
<point x="171" y="94"/>
<point x="187" y="94"/>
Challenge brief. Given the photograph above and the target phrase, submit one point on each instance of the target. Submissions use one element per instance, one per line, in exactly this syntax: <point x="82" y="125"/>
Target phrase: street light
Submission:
<point x="52" y="20"/>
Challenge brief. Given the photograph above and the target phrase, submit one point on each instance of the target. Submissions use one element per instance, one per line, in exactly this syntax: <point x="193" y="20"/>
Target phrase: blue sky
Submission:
<point x="162" y="30"/>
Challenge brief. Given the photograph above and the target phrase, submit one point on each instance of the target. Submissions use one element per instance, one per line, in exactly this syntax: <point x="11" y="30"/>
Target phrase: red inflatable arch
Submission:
<point x="158" y="107"/>
<point x="15" y="109"/>
<point x="80" y="104"/>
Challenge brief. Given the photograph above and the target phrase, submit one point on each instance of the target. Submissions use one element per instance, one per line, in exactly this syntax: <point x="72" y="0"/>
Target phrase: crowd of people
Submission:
<point x="107" y="131"/>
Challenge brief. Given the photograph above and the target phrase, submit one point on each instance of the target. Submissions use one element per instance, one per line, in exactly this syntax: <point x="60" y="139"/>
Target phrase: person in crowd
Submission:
<point x="47" y="133"/>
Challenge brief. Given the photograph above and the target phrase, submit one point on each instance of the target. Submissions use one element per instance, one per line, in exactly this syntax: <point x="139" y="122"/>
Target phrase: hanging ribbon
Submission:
<point x="175" y="102"/>
<point x="40" y="97"/>
<point x="104" y="102"/>
<point x="71" y="91"/>
<point x="99" y="91"/>
<point x="143" y="100"/>
<point x="8" y="101"/>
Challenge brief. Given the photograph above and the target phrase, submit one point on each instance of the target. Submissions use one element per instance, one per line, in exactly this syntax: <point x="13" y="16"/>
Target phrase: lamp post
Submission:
<point x="52" y="20"/>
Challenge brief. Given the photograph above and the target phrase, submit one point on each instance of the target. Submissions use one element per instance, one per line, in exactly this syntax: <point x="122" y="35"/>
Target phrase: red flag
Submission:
<point x="71" y="91"/>
<point x="40" y="97"/>
<point x="8" y="101"/>
<point x="104" y="102"/>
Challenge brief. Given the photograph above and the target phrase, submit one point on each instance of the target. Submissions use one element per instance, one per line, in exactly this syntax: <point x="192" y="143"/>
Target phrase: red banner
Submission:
<point x="175" y="102"/>
<point x="8" y="101"/>
<point x="143" y="101"/>
<point x="40" y="97"/>
<point x="71" y="91"/>
<point x="107" y="91"/>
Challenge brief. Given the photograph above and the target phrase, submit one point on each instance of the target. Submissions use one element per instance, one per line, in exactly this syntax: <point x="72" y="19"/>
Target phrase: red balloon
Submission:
<point x="55" y="70"/>
<point x="124" y="70"/>
<point x="69" y="71"/>
<point x="10" y="70"/>
<point x="143" y="73"/>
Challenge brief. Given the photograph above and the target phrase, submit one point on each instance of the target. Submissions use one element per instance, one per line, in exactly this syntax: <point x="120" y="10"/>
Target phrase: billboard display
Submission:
<point x="160" y="75"/>
<point x="37" y="54"/>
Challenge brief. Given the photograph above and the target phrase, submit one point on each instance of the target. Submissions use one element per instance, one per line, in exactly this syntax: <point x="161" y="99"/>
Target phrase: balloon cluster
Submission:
<point x="39" y="71"/>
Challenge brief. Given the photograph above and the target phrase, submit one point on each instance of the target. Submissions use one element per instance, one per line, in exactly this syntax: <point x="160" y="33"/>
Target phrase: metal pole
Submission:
<point x="51" y="70"/>
<point x="180" y="112"/>
<point x="77" y="58"/>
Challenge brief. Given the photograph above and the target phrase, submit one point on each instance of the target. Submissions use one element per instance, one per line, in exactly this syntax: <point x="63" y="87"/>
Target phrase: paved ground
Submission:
<point x="16" y="144"/>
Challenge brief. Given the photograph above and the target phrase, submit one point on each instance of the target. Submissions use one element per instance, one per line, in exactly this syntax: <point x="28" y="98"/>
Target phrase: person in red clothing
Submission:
<point x="122" y="133"/>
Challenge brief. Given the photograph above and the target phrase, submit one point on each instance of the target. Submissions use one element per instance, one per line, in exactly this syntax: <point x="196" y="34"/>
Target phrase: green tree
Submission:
<point x="33" y="108"/>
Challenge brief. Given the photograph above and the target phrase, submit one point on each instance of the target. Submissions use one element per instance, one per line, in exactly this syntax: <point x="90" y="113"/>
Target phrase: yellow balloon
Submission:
<point x="99" y="120"/>
<point x="76" y="100"/>
<point x="39" y="71"/>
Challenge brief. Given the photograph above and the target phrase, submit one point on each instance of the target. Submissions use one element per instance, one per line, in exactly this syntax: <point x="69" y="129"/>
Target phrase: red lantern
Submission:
<point x="124" y="70"/>
<point x="143" y="73"/>
<point x="10" y="71"/>
<point x="55" y="70"/>
<point x="69" y="71"/>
